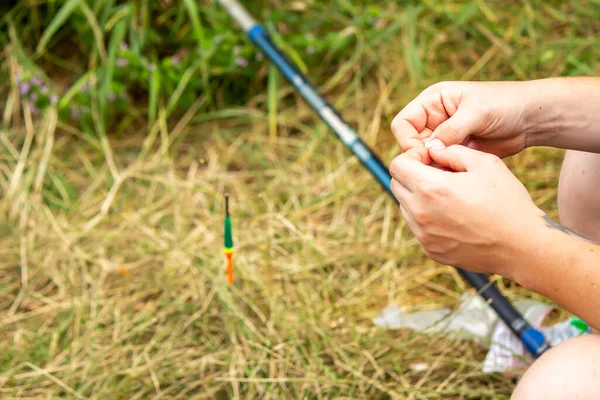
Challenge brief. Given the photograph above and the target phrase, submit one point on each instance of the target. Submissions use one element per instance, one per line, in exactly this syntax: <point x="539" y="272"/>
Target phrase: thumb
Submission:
<point x="455" y="129"/>
<point x="460" y="158"/>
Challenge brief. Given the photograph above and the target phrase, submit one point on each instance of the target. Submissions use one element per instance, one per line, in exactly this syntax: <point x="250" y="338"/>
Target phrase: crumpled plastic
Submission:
<point x="473" y="319"/>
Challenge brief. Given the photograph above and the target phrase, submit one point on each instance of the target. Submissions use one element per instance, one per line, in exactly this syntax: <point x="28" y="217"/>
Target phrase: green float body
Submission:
<point x="228" y="236"/>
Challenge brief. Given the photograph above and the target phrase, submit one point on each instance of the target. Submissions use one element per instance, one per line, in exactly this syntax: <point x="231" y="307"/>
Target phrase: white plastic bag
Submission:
<point x="473" y="319"/>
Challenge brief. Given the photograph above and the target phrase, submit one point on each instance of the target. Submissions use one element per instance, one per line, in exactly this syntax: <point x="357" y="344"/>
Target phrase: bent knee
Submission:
<point x="579" y="193"/>
<point x="569" y="371"/>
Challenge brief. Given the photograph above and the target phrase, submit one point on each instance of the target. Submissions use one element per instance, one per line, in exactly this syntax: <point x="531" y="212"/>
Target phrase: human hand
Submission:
<point x="488" y="116"/>
<point x="478" y="218"/>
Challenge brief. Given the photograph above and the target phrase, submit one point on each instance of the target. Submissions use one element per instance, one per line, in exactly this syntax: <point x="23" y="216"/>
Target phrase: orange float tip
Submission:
<point x="229" y="270"/>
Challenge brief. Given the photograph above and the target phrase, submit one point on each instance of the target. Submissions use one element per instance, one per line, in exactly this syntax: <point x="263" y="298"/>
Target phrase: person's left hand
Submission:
<point x="477" y="217"/>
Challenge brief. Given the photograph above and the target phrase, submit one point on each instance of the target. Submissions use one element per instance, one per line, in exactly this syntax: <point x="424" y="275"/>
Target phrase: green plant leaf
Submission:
<point x="117" y="37"/>
<point x="272" y="96"/>
<point x="192" y="10"/>
<point x="76" y="88"/>
<point x="185" y="79"/>
<point x="154" y="92"/>
<point x="98" y="34"/>
<point x="61" y="17"/>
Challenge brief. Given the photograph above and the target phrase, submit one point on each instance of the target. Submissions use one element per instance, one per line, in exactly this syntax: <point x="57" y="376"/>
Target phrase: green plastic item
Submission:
<point x="228" y="235"/>
<point x="580" y="324"/>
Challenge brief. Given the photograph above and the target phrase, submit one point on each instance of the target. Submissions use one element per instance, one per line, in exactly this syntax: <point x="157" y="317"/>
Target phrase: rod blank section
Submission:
<point x="239" y="14"/>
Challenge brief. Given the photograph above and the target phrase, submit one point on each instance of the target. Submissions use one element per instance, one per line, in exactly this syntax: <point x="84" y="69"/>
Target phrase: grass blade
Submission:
<point x="154" y="92"/>
<point x="185" y="79"/>
<point x="192" y="10"/>
<point x="91" y="17"/>
<point x="68" y="96"/>
<point x="117" y="37"/>
<point x="272" y="96"/>
<point x="104" y="10"/>
<point x="61" y="17"/>
<point x="414" y="64"/>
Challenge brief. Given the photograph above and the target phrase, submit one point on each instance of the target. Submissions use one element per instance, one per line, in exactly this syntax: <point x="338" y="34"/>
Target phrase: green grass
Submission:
<point x="112" y="279"/>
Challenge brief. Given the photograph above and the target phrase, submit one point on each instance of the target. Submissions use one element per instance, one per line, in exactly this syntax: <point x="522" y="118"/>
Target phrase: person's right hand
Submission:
<point x="486" y="116"/>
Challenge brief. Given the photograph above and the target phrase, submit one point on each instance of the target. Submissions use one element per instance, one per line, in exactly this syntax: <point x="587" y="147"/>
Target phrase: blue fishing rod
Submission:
<point x="532" y="338"/>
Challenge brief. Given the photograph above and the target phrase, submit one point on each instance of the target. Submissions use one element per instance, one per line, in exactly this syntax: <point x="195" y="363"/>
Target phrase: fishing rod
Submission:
<point x="533" y="340"/>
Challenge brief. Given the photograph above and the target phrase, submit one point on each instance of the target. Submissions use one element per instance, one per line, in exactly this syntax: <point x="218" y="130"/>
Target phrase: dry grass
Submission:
<point x="112" y="280"/>
<point x="115" y="288"/>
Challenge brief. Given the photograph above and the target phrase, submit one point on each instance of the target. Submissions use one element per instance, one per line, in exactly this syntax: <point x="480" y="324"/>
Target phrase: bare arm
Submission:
<point x="563" y="266"/>
<point x="564" y="113"/>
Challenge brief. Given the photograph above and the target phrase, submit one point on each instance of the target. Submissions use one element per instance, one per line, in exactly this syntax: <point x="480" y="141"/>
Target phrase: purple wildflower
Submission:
<point x="122" y="62"/>
<point x="310" y="49"/>
<point x="218" y="39"/>
<point x="123" y="46"/>
<point x="53" y="98"/>
<point x="34" y="110"/>
<point x="34" y="96"/>
<point x="24" y="88"/>
<point x="36" y="81"/>
<point x="112" y="97"/>
<point x="44" y="89"/>
<point x="151" y="67"/>
<point x="176" y="59"/>
<point x="241" y="61"/>
<point x="259" y="57"/>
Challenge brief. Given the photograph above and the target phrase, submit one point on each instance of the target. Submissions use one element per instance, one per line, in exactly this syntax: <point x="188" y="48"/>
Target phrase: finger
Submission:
<point x="441" y="168"/>
<point x="460" y="158"/>
<point x="421" y="155"/>
<point x="432" y="101"/>
<point x="419" y="117"/>
<point x="425" y="134"/>
<point x="470" y="143"/>
<point x="501" y="148"/>
<point x="410" y="220"/>
<point x="457" y="128"/>
<point x="411" y="167"/>
<point x="406" y="134"/>
<point x="401" y="193"/>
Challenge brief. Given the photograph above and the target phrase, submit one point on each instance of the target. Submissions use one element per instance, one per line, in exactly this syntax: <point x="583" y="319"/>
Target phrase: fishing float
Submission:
<point x="228" y="242"/>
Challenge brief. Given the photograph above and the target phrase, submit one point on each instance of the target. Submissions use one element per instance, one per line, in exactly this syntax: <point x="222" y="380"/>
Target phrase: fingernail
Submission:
<point x="435" y="144"/>
<point x="472" y="144"/>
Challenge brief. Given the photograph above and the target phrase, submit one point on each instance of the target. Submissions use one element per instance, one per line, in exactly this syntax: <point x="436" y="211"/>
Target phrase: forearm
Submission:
<point x="564" y="113"/>
<point x="564" y="267"/>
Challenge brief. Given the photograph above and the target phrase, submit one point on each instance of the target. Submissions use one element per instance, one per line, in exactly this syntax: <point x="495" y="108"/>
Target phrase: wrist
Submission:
<point x="526" y="243"/>
<point x="546" y="251"/>
<point x="562" y="266"/>
<point x="542" y="117"/>
<point x="555" y="110"/>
